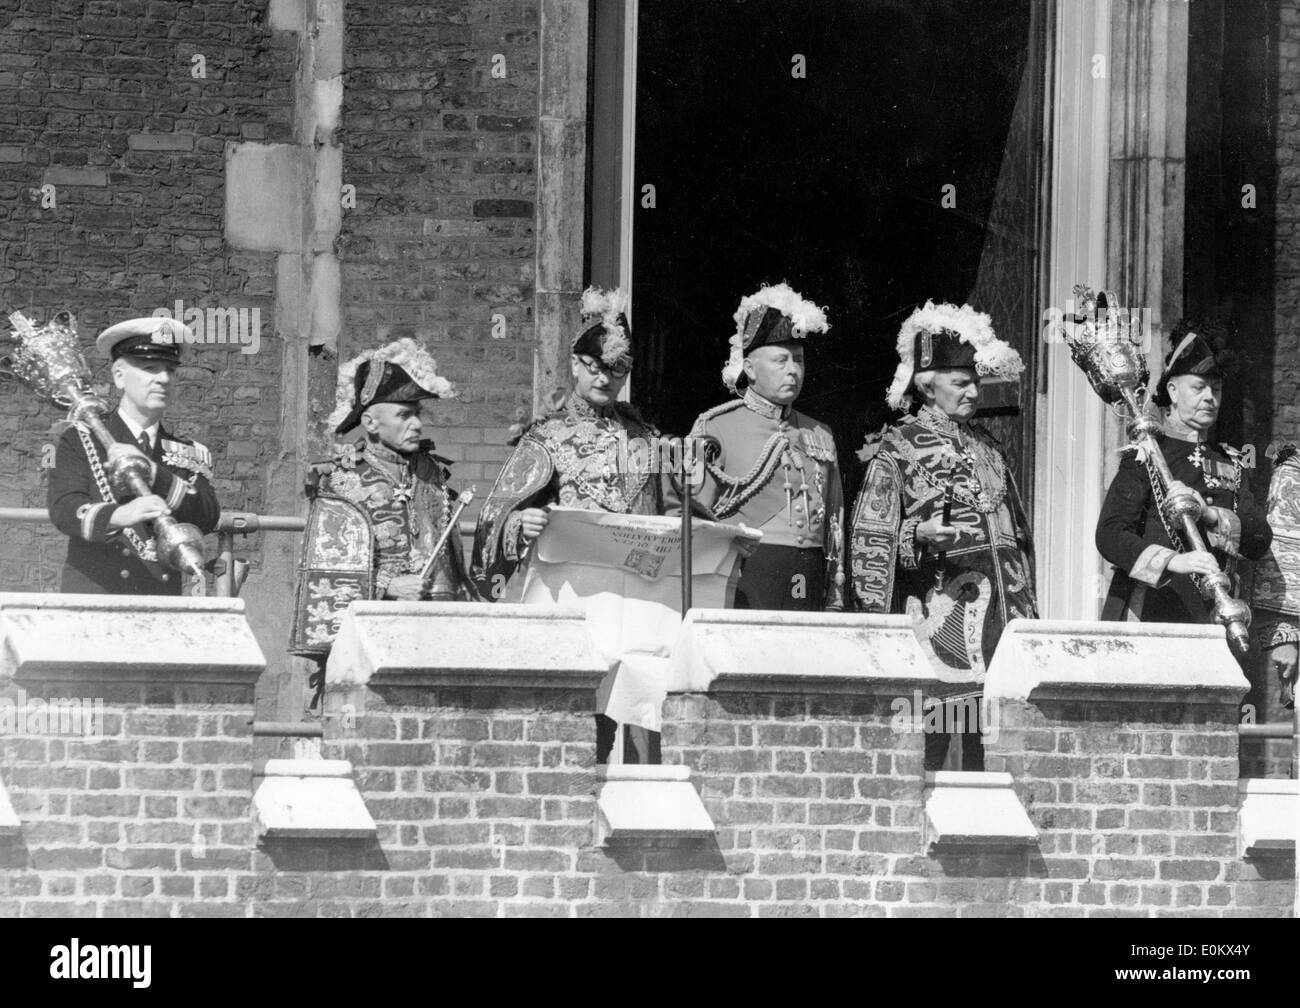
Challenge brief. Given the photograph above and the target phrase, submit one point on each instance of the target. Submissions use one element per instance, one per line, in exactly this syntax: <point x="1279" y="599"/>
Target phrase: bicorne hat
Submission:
<point x="940" y="336"/>
<point x="1194" y="353"/>
<point x="401" y="372"/>
<point x="605" y="333"/>
<point x="769" y="316"/>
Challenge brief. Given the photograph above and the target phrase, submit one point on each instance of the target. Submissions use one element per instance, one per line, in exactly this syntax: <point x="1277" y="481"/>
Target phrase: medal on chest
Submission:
<point x="402" y="492"/>
<point x="596" y="458"/>
<point x="1217" y="475"/>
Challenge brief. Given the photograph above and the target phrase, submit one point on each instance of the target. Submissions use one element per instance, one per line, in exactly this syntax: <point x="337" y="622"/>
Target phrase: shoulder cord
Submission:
<point x="733" y="496"/>
<point x="145" y="550"/>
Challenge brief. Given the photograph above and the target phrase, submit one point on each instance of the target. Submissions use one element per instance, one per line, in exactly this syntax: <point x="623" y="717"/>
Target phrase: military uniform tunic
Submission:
<point x="123" y="562"/>
<point x="1132" y="535"/>
<point x="778" y="472"/>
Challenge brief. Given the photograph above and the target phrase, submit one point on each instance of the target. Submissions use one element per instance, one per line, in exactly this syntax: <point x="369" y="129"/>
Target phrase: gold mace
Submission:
<point x="1117" y="371"/>
<point x="48" y="359"/>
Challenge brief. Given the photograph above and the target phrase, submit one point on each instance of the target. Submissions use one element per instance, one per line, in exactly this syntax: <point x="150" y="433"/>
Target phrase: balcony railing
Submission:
<point x="231" y="524"/>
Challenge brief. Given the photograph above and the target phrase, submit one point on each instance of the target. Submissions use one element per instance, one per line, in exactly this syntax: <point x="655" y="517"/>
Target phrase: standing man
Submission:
<point x="110" y="539"/>
<point x="777" y="470"/>
<point x="391" y="472"/>
<point x="938" y="529"/>
<point x="1153" y="578"/>
<point x="580" y="456"/>
<point x="380" y="505"/>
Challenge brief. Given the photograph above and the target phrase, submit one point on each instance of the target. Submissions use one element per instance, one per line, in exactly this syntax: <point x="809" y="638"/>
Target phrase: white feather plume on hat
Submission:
<point x="805" y="317"/>
<point x="407" y="354"/>
<point x="992" y="355"/>
<point x="610" y="307"/>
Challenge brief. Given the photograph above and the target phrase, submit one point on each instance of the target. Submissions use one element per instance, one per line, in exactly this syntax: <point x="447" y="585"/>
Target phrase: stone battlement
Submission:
<point x="793" y="783"/>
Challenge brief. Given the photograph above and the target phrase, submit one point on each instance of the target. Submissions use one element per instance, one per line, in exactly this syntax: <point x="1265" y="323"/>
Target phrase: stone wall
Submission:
<point x="485" y="802"/>
<point x="439" y="137"/>
<point x="103" y="102"/>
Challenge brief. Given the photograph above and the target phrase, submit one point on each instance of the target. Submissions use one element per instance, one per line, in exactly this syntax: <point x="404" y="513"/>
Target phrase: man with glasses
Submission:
<point x="577" y="456"/>
<point x="583" y="455"/>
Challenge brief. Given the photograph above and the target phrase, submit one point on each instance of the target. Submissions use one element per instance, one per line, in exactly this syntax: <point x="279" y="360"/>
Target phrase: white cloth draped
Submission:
<point x="625" y="573"/>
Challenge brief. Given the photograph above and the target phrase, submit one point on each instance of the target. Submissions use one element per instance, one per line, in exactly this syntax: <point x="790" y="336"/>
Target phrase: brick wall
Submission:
<point x="1137" y="804"/>
<point x="151" y="819"/>
<point x="484" y="803"/>
<point x="98" y="99"/>
<point x="442" y="154"/>
<point x="1286" y="372"/>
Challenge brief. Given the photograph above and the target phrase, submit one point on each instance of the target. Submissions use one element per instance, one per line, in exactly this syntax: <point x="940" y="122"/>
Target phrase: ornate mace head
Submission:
<point x="1106" y="345"/>
<point x="48" y="358"/>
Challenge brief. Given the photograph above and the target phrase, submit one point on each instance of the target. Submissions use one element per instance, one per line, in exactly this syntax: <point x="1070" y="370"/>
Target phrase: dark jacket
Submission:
<point x="1132" y="536"/>
<point x="103" y="561"/>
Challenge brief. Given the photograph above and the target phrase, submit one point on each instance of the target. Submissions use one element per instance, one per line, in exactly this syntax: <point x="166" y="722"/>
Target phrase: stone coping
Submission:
<point x="155" y="640"/>
<point x="463" y="645"/>
<point x="309" y="799"/>
<point x="643" y="772"/>
<point x="981" y="809"/>
<point x="1133" y="662"/>
<point x="754" y="651"/>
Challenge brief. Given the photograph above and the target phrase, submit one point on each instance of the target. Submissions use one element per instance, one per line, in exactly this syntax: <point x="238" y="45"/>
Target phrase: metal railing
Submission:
<point x="231" y="524"/>
<point x="288" y="729"/>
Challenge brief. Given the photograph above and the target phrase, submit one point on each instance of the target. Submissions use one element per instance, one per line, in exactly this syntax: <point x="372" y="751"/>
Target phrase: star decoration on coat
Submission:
<point x="401" y="494"/>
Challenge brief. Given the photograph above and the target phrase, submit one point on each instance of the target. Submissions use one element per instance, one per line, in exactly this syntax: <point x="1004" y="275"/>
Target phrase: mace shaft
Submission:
<point x="1231" y="613"/>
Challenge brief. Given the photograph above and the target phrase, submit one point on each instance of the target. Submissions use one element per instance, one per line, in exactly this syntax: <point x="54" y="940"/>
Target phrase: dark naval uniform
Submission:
<point x="778" y="472"/>
<point x="123" y="562"/>
<point x="1132" y="535"/>
<point x="578" y="457"/>
<point x="963" y="598"/>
